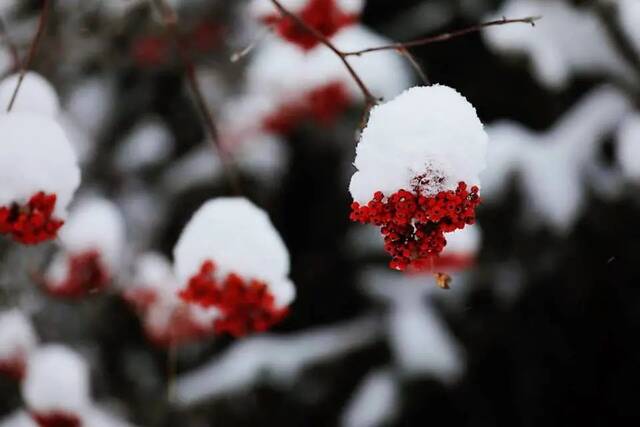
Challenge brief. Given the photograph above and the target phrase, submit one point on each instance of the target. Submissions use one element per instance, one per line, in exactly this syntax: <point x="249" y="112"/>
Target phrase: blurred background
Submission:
<point x="540" y="325"/>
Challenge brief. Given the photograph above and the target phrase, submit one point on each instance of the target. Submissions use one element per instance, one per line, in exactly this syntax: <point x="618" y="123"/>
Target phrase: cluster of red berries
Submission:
<point x="244" y="307"/>
<point x="322" y="105"/>
<point x="323" y="15"/>
<point x="86" y="274"/>
<point x="413" y="225"/>
<point x="33" y="223"/>
<point x="56" y="419"/>
<point x="13" y="367"/>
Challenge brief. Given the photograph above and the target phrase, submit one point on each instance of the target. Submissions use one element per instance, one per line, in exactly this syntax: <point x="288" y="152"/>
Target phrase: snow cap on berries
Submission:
<point x="36" y="95"/>
<point x="17" y="340"/>
<point x="239" y="238"/>
<point x="39" y="174"/>
<point x="428" y="137"/>
<point x="57" y="382"/>
<point x="93" y="242"/>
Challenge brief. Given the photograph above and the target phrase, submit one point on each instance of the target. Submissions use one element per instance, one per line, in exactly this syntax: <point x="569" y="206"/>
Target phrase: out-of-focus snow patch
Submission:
<point x="57" y="380"/>
<point x="260" y="9"/>
<point x="567" y="40"/>
<point x="36" y="95"/>
<point x="628" y="147"/>
<point x="19" y="418"/>
<point x="148" y="143"/>
<point x="36" y="156"/>
<point x="551" y="165"/>
<point x="239" y="238"/>
<point x="420" y="340"/>
<point x="375" y="402"/>
<point x="277" y="359"/>
<point x="89" y="103"/>
<point x="430" y="131"/>
<point x="96" y="224"/>
<point x="198" y="166"/>
<point x="629" y="16"/>
<point x="17" y="336"/>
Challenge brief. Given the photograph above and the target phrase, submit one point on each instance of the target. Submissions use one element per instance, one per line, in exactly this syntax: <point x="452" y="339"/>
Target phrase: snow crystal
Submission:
<point x="432" y="131"/>
<point x="37" y="156"/>
<point x="628" y="147"/>
<point x="57" y="380"/>
<point x="17" y="336"/>
<point x="239" y="238"/>
<point x="36" y="95"/>
<point x="567" y="40"/>
<point x="375" y="402"/>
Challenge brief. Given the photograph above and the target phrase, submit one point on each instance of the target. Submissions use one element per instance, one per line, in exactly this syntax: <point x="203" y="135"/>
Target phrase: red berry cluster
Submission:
<point x="323" y="15"/>
<point x="179" y="329"/>
<point x="56" y="419"/>
<point x="322" y="105"/>
<point x="13" y="367"/>
<point x="33" y="223"/>
<point x="86" y="274"/>
<point x="244" y="307"/>
<point x="413" y="225"/>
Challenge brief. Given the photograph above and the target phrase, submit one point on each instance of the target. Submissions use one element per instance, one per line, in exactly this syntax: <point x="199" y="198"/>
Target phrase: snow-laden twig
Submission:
<point x="278" y="359"/>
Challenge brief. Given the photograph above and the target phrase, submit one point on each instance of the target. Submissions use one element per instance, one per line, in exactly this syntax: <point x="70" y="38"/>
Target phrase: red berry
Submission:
<point x="32" y="223"/>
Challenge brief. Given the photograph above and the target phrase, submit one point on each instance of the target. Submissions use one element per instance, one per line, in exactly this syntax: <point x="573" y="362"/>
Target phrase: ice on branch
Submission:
<point x="568" y="40"/>
<point x="56" y="387"/>
<point x="230" y="257"/>
<point x="326" y="16"/>
<point x="418" y="162"/>
<point x="315" y="85"/>
<point x="39" y="175"/>
<point x="93" y="242"/>
<point x="166" y="319"/>
<point x="628" y="147"/>
<point x="17" y="340"/>
<point x="36" y="95"/>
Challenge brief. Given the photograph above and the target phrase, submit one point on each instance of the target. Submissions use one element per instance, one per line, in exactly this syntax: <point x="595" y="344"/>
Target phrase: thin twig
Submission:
<point x="42" y="23"/>
<point x="416" y="65"/>
<point x="370" y="100"/>
<point x="170" y="20"/>
<point x="531" y="20"/>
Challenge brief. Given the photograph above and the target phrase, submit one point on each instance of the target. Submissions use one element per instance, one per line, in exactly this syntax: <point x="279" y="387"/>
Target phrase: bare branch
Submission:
<point x="42" y="23"/>
<point x="531" y="20"/>
<point x="170" y="20"/>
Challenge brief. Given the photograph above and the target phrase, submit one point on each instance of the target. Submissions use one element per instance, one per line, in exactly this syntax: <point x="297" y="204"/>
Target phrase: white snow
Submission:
<point x="375" y="402"/>
<point x="238" y="237"/>
<point x="420" y="340"/>
<point x="552" y="165"/>
<point x="463" y="242"/>
<point x="36" y="156"/>
<point x="17" y="336"/>
<point x="19" y="418"/>
<point x="148" y="143"/>
<point x="89" y="103"/>
<point x="36" y="95"/>
<point x="95" y="223"/>
<point x="567" y="40"/>
<point x="276" y="359"/>
<point x="281" y="68"/>
<point x="57" y="380"/>
<point x="629" y="16"/>
<point x="429" y="130"/>
<point x="628" y="147"/>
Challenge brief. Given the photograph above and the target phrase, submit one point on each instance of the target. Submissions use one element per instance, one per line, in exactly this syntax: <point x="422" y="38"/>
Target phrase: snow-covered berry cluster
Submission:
<point x="39" y="175"/>
<point x="418" y="162"/>
<point x="92" y="244"/>
<point x="17" y="340"/>
<point x="231" y="259"/>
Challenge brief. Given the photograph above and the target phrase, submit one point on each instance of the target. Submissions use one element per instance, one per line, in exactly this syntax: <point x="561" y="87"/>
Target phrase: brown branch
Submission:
<point x="531" y="20"/>
<point x="42" y="24"/>
<point x="416" y="65"/>
<point x="370" y="100"/>
<point x="170" y="20"/>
